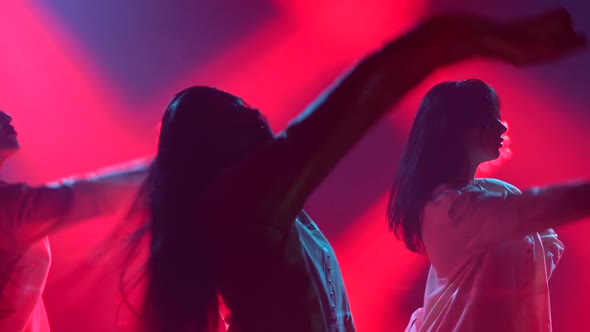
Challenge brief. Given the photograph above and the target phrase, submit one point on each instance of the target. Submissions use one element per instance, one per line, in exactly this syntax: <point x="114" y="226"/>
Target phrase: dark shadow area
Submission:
<point x="145" y="45"/>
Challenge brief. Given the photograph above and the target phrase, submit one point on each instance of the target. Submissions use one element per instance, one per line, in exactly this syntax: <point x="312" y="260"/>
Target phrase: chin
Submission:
<point x="11" y="146"/>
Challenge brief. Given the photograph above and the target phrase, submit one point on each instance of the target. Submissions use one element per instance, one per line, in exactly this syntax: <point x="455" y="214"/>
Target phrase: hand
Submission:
<point x="523" y="41"/>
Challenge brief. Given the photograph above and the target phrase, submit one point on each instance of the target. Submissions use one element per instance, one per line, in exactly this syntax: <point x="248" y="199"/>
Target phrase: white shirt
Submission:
<point x="322" y="297"/>
<point x="482" y="276"/>
<point x="21" y="303"/>
<point x="323" y="269"/>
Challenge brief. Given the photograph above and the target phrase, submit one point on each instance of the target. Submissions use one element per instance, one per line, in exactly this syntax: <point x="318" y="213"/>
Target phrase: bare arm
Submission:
<point x="33" y="212"/>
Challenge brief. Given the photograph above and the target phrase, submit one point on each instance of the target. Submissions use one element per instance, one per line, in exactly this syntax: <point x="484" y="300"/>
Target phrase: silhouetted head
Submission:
<point x="205" y="129"/>
<point x="203" y="132"/>
<point x="456" y="128"/>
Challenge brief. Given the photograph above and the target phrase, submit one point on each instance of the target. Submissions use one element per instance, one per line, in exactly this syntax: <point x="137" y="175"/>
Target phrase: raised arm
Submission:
<point x="30" y="213"/>
<point x="300" y="157"/>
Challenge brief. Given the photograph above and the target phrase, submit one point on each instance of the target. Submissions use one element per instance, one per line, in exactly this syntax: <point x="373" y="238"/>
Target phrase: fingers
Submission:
<point x="580" y="40"/>
<point x="558" y="19"/>
<point x="546" y="37"/>
<point x="553" y="23"/>
<point x="451" y="38"/>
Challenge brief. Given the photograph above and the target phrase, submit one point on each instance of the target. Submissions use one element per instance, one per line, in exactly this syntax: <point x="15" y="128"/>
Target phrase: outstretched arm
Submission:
<point x="479" y="218"/>
<point x="33" y="212"/>
<point x="299" y="158"/>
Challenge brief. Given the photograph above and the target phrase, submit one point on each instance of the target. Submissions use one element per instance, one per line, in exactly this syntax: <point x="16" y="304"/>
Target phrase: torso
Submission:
<point x="23" y="273"/>
<point x="503" y="288"/>
<point x="302" y="290"/>
<point x="24" y="277"/>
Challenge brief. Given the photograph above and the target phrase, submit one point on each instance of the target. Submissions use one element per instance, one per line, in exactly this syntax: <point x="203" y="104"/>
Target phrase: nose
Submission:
<point x="504" y="128"/>
<point x="501" y="126"/>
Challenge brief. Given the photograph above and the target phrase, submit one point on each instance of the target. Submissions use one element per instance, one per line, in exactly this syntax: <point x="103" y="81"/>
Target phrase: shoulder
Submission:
<point x="447" y="193"/>
<point x="496" y="185"/>
<point x="455" y="200"/>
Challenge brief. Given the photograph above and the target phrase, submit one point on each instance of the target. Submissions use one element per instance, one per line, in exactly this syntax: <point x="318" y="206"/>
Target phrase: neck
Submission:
<point x="468" y="174"/>
<point x="471" y="172"/>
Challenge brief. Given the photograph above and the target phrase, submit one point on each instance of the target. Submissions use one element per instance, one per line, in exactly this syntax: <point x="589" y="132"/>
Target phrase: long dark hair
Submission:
<point x="436" y="153"/>
<point x="203" y="131"/>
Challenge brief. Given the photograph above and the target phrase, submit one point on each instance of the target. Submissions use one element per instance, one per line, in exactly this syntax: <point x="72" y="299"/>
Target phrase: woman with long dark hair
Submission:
<point x="225" y="195"/>
<point x="491" y="247"/>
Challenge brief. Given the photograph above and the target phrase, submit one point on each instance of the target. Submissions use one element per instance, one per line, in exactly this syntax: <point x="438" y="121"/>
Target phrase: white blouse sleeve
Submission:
<point x="553" y="249"/>
<point x="32" y="212"/>
<point x="477" y="218"/>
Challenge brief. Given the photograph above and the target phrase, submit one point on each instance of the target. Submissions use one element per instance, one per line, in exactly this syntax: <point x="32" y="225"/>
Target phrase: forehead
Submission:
<point x="489" y="105"/>
<point x="494" y="111"/>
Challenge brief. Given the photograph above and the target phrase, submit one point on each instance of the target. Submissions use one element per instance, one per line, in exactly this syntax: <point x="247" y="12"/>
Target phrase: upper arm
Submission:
<point x="286" y="171"/>
<point x="479" y="218"/>
<point x="30" y="211"/>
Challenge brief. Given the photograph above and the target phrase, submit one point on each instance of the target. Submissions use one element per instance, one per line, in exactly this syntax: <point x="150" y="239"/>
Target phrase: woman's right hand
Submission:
<point x="451" y="38"/>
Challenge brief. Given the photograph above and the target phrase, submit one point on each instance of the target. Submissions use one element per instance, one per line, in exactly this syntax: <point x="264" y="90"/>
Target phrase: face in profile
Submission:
<point x="485" y="140"/>
<point x="8" y="140"/>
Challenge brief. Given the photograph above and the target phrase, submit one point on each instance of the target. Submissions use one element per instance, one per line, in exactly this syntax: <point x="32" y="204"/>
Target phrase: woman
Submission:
<point x="226" y="196"/>
<point x="30" y="214"/>
<point x="491" y="247"/>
